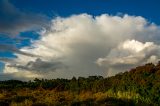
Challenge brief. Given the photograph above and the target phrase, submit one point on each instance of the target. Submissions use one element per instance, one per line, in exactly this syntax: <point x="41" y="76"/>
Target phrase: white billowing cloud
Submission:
<point x="135" y="46"/>
<point x="83" y="45"/>
<point x="130" y="53"/>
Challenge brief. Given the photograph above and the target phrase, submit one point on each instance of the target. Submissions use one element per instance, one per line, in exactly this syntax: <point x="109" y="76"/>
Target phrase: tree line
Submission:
<point x="142" y="80"/>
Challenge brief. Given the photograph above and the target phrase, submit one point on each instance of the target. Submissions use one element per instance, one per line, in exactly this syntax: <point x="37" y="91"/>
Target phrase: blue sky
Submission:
<point x="21" y="19"/>
<point x="146" y="8"/>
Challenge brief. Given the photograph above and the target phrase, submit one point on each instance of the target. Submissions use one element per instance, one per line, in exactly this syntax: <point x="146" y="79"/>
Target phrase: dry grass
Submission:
<point x="27" y="97"/>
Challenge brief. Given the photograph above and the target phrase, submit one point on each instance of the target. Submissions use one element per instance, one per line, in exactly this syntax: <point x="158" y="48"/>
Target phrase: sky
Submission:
<point x="59" y="39"/>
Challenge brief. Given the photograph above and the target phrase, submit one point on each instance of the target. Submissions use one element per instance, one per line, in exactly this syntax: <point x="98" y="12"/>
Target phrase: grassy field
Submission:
<point x="42" y="97"/>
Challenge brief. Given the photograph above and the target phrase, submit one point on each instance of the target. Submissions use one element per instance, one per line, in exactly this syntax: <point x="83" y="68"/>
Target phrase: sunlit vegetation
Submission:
<point x="139" y="86"/>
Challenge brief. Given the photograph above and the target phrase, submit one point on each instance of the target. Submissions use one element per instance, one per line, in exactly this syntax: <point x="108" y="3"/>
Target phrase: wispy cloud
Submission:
<point x="13" y="21"/>
<point x="14" y="49"/>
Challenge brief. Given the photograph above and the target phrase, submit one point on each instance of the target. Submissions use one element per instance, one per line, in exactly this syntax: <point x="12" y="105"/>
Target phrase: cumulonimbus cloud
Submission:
<point x="94" y="45"/>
